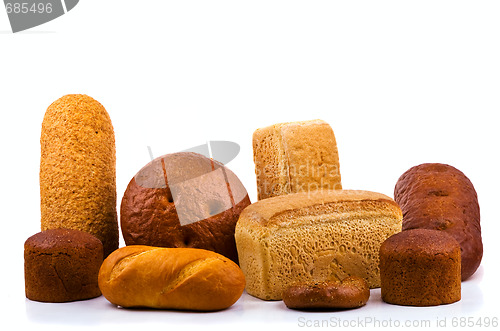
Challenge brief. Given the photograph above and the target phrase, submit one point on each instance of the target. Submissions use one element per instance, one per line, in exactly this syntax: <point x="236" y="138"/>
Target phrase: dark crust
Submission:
<point x="420" y="267"/>
<point x="420" y="241"/>
<point x="60" y="239"/>
<point x="62" y="265"/>
<point x="440" y="197"/>
<point x="148" y="217"/>
<point x="352" y="292"/>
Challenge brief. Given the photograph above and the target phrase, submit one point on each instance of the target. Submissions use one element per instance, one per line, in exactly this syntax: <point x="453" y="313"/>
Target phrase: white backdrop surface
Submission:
<point x="400" y="82"/>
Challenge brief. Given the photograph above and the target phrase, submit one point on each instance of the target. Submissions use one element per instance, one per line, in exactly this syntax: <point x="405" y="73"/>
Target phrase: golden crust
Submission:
<point x="77" y="169"/>
<point x="311" y="237"/>
<point x="295" y="157"/>
<point x="264" y="212"/>
<point x="170" y="278"/>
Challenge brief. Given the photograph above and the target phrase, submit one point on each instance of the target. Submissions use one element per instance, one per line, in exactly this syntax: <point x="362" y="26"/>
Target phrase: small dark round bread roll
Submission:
<point x="440" y="197"/>
<point x="351" y="292"/>
<point x="183" y="200"/>
<point x="62" y="265"/>
<point x="420" y="267"/>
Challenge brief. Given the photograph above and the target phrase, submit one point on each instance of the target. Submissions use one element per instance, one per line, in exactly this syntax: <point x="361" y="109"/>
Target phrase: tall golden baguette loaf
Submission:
<point x="77" y="169"/>
<point x="170" y="278"/>
<point x="312" y="237"/>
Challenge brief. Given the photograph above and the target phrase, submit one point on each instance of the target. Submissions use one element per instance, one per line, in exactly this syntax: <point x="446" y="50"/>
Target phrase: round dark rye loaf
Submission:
<point x="208" y="201"/>
<point x="62" y="265"/>
<point x="440" y="197"/>
<point x="420" y="267"/>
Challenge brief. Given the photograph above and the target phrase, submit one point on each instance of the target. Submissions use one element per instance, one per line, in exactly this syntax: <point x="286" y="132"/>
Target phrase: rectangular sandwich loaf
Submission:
<point x="313" y="236"/>
<point x="295" y="157"/>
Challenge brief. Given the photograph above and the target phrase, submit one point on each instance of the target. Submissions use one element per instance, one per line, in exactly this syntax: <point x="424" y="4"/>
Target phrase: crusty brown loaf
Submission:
<point x="420" y="267"/>
<point x="295" y="157"/>
<point x="440" y="197"/>
<point x="62" y="265"/>
<point x="313" y="237"/>
<point x="77" y="169"/>
<point x="170" y="278"/>
<point x="149" y="215"/>
<point x="351" y="292"/>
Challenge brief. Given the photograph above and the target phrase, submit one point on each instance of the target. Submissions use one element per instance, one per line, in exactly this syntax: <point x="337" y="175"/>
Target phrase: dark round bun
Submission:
<point x="420" y="267"/>
<point x="351" y="292"/>
<point x="62" y="265"/>
<point x="440" y="197"/>
<point x="183" y="200"/>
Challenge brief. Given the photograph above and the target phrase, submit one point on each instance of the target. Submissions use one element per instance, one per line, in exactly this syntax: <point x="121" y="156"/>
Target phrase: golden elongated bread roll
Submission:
<point x="313" y="237"/>
<point x="77" y="169"/>
<point x="170" y="278"/>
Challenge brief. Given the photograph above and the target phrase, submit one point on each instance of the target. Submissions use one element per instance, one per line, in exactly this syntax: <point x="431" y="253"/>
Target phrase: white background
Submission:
<point x="400" y="82"/>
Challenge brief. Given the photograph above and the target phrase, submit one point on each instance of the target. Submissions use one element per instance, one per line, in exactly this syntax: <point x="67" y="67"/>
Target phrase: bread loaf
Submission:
<point x="170" y="278"/>
<point x="440" y="197"/>
<point x="313" y="237"/>
<point x="352" y="292"/>
<point x="77" y="169"/>
<point x="420" y="267"/>
<point x="295" y="157"/>
<point x="61" y="265"/>
<point x="183" y="200"/>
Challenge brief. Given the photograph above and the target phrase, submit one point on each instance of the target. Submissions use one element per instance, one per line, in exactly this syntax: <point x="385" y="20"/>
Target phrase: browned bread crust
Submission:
<point x="62" y="265"/>
<point x="295" y="157"/>
<point x="351" y="292"/>
<point x="420" y="267"/>
<point x="78" y="169"/>
<point x="148" y="215"/>
<point x="313" y="236"/>
<point x="440" y="197"/>
<point x="170" y="278"/>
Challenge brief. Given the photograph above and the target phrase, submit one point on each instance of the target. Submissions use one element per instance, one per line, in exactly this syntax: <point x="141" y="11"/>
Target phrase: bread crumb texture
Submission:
<point x="77" y="169"/>
<point x="315" y="236"/>
<point x="295" y="157"/>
